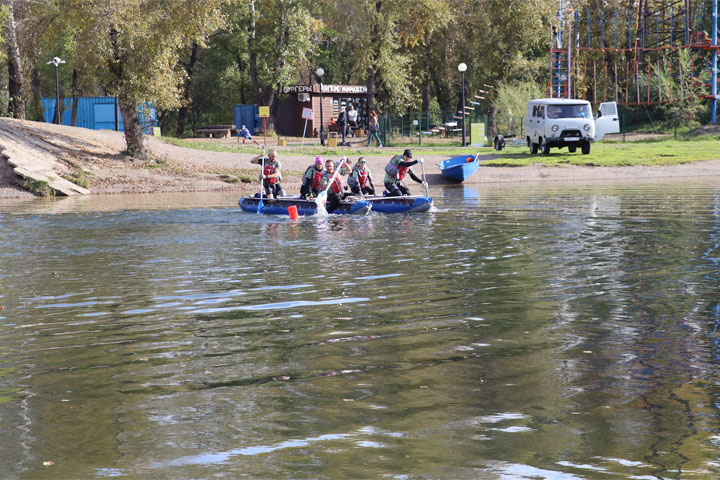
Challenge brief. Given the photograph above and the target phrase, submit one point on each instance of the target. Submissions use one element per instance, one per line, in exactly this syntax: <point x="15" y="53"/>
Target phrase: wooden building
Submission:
<point x="295" y="98"/>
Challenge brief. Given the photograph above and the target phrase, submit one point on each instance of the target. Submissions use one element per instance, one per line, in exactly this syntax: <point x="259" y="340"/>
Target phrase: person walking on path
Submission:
<point x="373" y="128"/>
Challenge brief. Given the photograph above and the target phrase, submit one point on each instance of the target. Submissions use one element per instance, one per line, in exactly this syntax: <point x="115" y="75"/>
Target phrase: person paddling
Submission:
<point x="270" y="175"/>
<point x="360" y="181"/>
<point x="312" y="178"/>
<point x="336" y="188"/>
<point x="395" y="172"/>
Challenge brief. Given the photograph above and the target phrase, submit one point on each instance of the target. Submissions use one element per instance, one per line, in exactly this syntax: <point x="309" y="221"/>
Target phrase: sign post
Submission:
<point x="307" y="114"/>
<point x="264" y="112"/>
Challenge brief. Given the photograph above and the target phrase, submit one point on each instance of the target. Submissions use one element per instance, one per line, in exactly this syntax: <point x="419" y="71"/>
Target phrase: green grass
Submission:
<point x="640" y="152"/>
<point x="80" y="178"/>
<point x="38" y="187"/>
<point x="664" y="152"/>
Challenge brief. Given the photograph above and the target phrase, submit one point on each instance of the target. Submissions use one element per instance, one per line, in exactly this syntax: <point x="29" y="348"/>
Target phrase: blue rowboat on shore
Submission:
<point x="459" y="168"/>
<point x="279" y="206"/>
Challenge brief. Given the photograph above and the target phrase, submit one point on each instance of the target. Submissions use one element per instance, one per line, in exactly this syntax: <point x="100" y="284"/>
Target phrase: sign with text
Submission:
<point x="264" y="112"/>
<point x="307" y="113"/>
<point x="343" y="89"/>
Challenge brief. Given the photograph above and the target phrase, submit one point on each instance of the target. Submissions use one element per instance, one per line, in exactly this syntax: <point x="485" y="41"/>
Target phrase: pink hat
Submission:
<point x="318" y="160"/>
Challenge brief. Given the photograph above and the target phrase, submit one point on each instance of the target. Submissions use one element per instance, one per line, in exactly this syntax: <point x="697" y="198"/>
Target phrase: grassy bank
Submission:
<point x="647" y="153"/>
<point x="664" y="152"/>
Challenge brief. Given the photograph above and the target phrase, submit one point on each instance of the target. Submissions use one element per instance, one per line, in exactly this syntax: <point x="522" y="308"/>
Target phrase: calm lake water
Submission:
<point x="513" y="333"/>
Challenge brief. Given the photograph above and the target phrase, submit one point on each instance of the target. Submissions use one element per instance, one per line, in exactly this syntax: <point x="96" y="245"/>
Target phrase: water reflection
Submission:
<point x="522" y="333"/>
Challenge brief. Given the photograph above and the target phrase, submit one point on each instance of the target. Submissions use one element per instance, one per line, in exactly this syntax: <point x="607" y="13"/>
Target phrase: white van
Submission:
<point x="562" y="122"/>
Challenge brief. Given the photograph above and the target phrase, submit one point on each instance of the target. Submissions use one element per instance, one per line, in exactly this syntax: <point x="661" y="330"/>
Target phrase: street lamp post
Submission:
<point x="320" y="72"/>
<point x="56" y="63"/>
<point x="462" y="67"/>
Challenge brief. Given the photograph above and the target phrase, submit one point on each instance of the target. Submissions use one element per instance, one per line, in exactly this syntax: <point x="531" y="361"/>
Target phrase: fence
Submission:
<point x="432" y="128"/>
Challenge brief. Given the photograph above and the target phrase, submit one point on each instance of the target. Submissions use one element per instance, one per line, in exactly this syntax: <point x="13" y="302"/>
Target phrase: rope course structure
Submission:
<point x="654" y="52"/>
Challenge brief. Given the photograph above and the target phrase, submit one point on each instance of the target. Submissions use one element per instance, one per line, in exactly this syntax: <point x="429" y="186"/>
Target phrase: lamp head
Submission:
<point x="462" y="67"/>
<point x="320" y="72"/>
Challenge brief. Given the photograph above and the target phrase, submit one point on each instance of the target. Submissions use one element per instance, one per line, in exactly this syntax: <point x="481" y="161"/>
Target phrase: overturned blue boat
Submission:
<point x="459" y="168"/>
<point x="279" y="206"/>
<point x="404" y="204"/>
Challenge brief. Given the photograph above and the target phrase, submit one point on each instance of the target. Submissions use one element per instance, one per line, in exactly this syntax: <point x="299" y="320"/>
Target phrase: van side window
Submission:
<point x="541" y="111"/>
<point x="534" y="113"/>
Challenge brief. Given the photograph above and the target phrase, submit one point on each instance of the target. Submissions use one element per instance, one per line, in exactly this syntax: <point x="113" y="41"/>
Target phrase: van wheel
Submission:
<point x="586" y="148"/>
<point x="533" y="148"/>
<point x="572" y="149"/>
<point x="545" y="148"/>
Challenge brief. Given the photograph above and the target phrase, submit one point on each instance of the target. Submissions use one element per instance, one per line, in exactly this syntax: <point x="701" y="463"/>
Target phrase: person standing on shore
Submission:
<point x="342" y="123"/>
<point x="395" y="172"/>
<point x="352" y="119"/>
<point x="270" y="175"/>
<point x="373" y="128"/>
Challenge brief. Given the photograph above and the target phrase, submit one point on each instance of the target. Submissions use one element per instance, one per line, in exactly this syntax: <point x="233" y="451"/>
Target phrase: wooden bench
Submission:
<point x="216" y="131"/>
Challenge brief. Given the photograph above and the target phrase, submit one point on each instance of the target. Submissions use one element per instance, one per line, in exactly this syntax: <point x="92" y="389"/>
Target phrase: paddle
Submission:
<point x="262" y="170"/>
<point x="422" y="166"/>
<point x="321" y="199"/>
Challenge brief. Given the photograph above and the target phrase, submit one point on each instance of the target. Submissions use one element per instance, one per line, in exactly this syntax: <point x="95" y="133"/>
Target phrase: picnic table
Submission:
<point x="216" y="131"/>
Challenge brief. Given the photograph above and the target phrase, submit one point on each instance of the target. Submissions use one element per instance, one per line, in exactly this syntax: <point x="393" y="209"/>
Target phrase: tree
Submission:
<point x="279" y="34"/>
<point x="135" y="46"/>
<point x="16" y="71"/>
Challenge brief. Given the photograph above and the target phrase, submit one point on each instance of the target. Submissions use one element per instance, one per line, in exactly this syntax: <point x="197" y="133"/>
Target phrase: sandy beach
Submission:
<point x="179" y="169"/>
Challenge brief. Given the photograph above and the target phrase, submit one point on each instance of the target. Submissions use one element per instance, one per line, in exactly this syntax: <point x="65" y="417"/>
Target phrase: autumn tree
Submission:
<point x="135" y="45"/>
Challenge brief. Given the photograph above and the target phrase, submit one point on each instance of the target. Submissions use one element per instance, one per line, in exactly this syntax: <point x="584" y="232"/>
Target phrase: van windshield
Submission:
<point x="581" y="110"/>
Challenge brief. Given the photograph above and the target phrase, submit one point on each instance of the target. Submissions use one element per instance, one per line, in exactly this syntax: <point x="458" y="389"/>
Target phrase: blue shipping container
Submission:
<point x="97" y="113"/>
<point x="248" y="115"/>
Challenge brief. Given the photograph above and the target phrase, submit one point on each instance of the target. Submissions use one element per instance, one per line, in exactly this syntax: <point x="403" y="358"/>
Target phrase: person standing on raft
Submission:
<point x="395" y="172"/>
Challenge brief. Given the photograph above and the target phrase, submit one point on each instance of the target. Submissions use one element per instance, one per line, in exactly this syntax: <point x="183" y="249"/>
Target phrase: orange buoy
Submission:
<point x="292" y="211"/>
<point x="469" y="160"/>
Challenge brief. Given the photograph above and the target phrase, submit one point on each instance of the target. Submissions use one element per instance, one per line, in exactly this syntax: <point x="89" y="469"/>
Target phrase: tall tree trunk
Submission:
<point x="257" y="89"/>
<point x="374" y="45"/>
<point x="75" y="98"/>
<point x="187" y="87"/>
<point x="133" y="132"/>
<point x="16" y="75"/>
<point x="36" y="110"/>
<point x="131" y="123"/>
<point x="426" y="80"/>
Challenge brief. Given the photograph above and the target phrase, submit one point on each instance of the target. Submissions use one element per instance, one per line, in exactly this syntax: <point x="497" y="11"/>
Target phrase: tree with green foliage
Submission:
<point x="134" y="47"/>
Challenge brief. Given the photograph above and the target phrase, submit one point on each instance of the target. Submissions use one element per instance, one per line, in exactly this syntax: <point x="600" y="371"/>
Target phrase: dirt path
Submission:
<point x="182" y="170"/>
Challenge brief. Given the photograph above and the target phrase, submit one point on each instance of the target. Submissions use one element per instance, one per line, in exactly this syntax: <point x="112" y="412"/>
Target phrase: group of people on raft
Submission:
<point x="321" y="176"/>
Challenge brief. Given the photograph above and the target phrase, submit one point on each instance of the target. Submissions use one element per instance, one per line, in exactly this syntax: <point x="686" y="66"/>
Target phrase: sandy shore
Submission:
<point x="185" y="170"/>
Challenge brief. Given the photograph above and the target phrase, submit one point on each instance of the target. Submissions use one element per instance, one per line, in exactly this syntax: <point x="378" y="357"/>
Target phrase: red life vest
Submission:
<point x="337" y="185"/>
<point x="401" y="172"/>
<point x="269" y="170"/>
<point x="317" y="176"/>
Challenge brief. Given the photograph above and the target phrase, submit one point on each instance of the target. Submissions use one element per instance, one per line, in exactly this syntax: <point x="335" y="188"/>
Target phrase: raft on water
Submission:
<point x="279" y="206"/>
